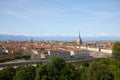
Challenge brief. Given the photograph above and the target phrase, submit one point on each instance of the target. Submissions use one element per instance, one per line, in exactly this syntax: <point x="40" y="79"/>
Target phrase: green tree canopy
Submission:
<point x="7" y="73"/>
<point x="57" y="69"/>
<point x="116" y="50"/>
<point x="99" y="71"/>
<point x="31" y="72"/>
<point x="21" y="74"/>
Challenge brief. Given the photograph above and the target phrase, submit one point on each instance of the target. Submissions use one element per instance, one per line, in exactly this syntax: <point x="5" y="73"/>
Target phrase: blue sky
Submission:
<point x="60" y="17"/>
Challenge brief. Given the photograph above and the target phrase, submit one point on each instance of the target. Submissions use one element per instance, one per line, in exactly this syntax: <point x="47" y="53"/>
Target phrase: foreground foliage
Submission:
<point x="12" y="57"/>
<point x="58" y="69"/>
<point x="116" y="50"/>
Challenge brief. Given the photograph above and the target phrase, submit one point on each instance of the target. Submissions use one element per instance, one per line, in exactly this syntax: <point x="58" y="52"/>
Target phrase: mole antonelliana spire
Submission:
<point x="79" y="41"/>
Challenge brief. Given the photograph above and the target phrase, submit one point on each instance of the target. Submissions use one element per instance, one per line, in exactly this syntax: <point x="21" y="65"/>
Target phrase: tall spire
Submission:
<point x="79" y="39"/>
<point x="31" y="40"/>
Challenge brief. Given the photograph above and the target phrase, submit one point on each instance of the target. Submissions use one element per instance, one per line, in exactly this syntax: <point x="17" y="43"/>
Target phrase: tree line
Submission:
<point x="15" y="56"/>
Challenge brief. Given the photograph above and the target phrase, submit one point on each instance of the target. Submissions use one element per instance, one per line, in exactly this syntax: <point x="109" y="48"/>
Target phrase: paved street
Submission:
<point x="32" y="62"/>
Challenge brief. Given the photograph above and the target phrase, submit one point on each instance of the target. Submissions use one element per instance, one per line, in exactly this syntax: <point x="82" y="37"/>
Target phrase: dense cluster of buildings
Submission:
<point x="50" y="49"/>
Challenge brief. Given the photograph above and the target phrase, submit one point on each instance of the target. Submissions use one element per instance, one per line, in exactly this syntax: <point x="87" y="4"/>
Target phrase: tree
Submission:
<point x="105" y="61"/>
<point x="58" y="63"/>
<point x="41" y="72"/>
<point x="115" y="71"/>
<point x="54" y="68"/>
<point x="25" y="73"/>
<point x="99" y="71"/>
<point x="69" y="72"/>
<point x="21" y="74"/>
<point x="82" y="73"/>
<point x="7" y="73"/>
<point x="57" y="69"/>
<point x="116" y="50"/>
<point x="85" y="64"/>
<point x="117" y="74"/>
<point x="31" y="72"/>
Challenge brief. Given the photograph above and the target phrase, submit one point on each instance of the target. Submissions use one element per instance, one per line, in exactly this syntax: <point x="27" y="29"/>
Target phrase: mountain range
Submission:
<point x="4" y="37"/>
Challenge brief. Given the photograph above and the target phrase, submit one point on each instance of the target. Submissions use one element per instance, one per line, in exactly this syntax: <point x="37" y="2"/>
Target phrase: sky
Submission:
<point x="60" y="17"/>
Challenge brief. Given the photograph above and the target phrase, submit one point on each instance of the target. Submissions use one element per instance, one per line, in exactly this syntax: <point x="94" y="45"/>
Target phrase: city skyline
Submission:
<point x="60" y="17"/>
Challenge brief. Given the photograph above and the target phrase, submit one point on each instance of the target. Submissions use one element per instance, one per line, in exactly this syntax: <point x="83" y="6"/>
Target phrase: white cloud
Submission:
<point x="62" y="34"/>
<point x="101" y="35"/>
<point x="3" y="33"/>
<point x="65" y="34"/>
<point x="82" y="35"/>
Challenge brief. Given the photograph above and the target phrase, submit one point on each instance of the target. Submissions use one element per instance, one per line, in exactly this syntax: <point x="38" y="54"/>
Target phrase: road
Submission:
<point x="32" y="62"/>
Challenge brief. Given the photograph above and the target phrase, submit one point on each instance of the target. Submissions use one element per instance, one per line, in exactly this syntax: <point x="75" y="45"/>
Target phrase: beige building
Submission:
<point x="79" y="54"/>
<point x="39" y="54"/>
<point x="63" y="54"/>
